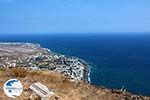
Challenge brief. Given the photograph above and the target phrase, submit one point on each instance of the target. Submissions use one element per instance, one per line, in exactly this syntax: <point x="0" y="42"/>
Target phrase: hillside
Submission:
<point x="63" y="87"/>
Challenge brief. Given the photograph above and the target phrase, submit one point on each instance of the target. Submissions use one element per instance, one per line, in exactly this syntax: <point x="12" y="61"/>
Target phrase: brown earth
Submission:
<point x="63" y="87"/>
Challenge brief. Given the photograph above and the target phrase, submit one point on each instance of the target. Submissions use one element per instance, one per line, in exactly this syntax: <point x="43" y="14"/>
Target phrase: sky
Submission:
<point x="74" y="16"/>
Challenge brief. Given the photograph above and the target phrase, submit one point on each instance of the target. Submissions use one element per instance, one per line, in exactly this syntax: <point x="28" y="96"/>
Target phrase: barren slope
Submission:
<point x="63" y="87"/>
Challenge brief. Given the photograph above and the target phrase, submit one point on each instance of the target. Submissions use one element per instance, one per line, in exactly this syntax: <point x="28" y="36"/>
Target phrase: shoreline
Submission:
<point x="34" y="53"/>
<point x="87" y="69"/>
<point x="86" y="66"/>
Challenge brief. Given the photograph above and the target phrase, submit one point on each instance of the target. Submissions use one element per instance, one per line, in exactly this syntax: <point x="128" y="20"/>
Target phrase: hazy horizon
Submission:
<point x="79" y="16"/>
<point x="81" y="33"/>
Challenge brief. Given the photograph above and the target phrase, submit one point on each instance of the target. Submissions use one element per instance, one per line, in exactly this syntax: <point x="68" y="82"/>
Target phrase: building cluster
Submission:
<point x="44" y="60"/>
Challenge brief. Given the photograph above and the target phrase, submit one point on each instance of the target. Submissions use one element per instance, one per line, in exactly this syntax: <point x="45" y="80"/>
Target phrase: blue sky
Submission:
<point x="74" y="16"/>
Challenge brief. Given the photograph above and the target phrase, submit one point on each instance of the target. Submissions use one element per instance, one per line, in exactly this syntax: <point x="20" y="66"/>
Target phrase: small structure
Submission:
<point x="41" y="90"/>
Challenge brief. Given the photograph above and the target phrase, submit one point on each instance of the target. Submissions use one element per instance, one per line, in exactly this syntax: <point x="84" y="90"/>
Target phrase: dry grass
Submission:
<point x="1" y="70"/>
<point x="62" y="86"/>
<point x="18" y="72"/>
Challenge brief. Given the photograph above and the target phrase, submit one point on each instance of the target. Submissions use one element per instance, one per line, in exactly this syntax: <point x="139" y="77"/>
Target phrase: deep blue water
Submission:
<point x="116" y="60"/>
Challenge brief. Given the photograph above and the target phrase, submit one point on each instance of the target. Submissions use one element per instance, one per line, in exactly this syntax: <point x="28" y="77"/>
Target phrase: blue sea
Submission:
<point x="116" y="60"/>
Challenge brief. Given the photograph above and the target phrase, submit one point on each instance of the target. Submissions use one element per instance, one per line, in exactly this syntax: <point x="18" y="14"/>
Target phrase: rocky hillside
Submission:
<point x="63" y="87"/>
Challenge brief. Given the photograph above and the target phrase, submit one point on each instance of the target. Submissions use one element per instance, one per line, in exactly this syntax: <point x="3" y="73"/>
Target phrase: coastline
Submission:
<point x="45" y="53"/>
<point x="33" y="56"/>
<point x="87" y="69"/>
<point x="87" y="72"/>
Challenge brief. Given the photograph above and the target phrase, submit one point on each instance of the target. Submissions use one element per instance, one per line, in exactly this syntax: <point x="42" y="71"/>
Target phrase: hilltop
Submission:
<point x="63" y="87"/>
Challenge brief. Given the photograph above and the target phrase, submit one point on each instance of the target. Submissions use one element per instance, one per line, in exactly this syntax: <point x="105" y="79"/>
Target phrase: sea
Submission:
<point x="116" y="60"/>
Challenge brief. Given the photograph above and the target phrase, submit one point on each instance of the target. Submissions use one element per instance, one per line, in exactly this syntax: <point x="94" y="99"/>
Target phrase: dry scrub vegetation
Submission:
<point x="18" y="72"/>
<point x="63" y="87"/>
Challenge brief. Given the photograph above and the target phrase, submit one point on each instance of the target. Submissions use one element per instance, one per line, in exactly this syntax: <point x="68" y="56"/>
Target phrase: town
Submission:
<point x="33" y="57"/>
